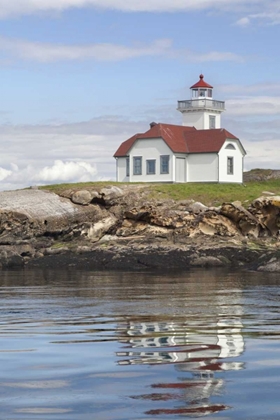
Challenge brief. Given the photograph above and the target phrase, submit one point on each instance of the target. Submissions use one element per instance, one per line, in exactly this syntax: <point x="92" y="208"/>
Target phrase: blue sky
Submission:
<point x="78" y="77"/>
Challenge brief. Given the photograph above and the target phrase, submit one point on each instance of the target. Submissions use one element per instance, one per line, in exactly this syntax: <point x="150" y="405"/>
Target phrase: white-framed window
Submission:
<point x="137" y="165"/>
<point x="202" y="93"/>
<point x="127" y="166"/>
<point x="151" y="166"/>
<point x="230" y="165"/>
<point x="212" y="121"/>
<point x="164" y="164"/>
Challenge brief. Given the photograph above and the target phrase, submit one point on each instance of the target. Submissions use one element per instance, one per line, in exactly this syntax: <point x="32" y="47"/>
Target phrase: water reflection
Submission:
<point x="112" y="346"/>
<point x="200" y="346"/>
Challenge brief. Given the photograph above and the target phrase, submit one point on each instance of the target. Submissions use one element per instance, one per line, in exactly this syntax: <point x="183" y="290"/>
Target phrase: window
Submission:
<point x="151" y="167"/>
<point x="137" y="165"/>
<point x="230" y="165"/>
<point x="212" y="121"/>
<point x="202" y="92"/>
<point x="127" y="167"/>
<point x="230" y="146"/>
<point x="164" y="164"/>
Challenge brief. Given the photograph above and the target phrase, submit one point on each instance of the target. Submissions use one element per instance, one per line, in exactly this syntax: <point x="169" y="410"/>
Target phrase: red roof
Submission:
<point x="181" y="139"/>
<point x="201" y="83"/>
<point x="203" y="141"/>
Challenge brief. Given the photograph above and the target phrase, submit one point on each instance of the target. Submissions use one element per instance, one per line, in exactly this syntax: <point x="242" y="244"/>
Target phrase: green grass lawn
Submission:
<point x="207" y="193"/>
<point x="216" y="194"/>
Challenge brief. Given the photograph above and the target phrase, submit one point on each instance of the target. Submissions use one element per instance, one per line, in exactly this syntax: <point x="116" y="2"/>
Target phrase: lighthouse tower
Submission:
<point x="201" y="111"/>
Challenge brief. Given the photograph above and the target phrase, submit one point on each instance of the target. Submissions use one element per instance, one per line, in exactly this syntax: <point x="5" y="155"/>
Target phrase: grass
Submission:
<point x="216" y="194"/>
<point x="207" y="193"/>
<point x="59" y="188"/>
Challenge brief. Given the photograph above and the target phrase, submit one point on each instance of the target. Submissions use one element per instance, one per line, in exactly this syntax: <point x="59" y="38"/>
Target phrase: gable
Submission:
<point x="173" y="135"/>
<point x="149" y="147"/>
<point x="233" y="145"/>
<point x="126" y="146"/>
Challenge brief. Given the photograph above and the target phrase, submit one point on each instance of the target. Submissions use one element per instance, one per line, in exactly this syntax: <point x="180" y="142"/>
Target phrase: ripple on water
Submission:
<point x="121" y="346"/>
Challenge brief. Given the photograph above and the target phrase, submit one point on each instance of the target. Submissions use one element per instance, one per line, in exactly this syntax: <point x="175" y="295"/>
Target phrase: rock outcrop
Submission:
<point x="121" y="228"/>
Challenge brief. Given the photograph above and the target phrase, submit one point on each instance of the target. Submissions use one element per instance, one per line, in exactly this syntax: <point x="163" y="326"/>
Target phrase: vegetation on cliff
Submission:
<point x="256" y="182"/>
<point x="142" y="226"/>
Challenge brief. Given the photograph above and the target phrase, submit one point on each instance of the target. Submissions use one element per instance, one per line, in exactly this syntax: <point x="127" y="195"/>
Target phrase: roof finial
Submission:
<point x="201" y="83"/>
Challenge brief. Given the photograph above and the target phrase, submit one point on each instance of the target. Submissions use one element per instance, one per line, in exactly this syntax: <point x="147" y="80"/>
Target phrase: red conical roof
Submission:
<point x="201" y="83"/>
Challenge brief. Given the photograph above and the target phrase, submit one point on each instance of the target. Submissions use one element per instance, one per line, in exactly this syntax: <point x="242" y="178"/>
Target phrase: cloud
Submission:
<point x="245" y="21"/>
<point x="261" y="154"/>
<point x="258" y="105"/>
<point x="258" y="88"/>
<point x="252" y="10"/>
<point x="77" y="152"/>
<point x="4" y="173"/>
<point x="66" y="172"/>
<point x="18" y="7"/>
<point x="56" y="173"/>
<point x="83" y="151"/>
<point x="215" y="56"/>
<point x="44" y="52"/>
<point x="271" y="18"/>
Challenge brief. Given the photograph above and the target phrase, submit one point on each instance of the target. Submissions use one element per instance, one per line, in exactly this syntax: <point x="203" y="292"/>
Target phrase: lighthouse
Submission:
<point x="201" y="111"/>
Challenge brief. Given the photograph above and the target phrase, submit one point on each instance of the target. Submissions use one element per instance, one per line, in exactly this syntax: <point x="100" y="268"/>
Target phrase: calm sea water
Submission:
<point x="131" y="346"/>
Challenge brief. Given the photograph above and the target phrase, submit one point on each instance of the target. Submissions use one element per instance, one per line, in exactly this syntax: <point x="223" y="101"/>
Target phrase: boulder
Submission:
<point x="131" y="227"/>
<point x="197" y="207"/>
<point x="246" y="222"/>
<point x="143" y="213"/>
<point x="9" y="258"/>
<point x="95" y="231"/>
<point x="82" y="197"/>
<point x="207" y="261"/>
<point x="56" y="251"/>
<point x="110" y="195"/>
<point x="211" y="223"/>
<point x="272" y="266"/>
<point x="267" y="211"/>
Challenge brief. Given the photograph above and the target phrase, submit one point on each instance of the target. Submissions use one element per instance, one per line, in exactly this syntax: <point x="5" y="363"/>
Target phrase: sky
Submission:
<point x="78" y="77"/>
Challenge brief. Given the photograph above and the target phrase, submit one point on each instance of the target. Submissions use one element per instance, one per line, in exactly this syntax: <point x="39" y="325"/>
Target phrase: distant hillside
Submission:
<point x="261" y="175"/>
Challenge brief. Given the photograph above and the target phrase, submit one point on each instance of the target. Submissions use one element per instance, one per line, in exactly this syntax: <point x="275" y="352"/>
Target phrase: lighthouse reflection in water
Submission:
<point x="201" y="346"/>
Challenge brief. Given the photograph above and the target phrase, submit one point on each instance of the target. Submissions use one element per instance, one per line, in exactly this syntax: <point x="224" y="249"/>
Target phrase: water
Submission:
<point x="134" y="346"/>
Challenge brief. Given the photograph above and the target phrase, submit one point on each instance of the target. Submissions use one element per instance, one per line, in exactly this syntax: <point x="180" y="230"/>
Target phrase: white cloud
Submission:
<point x="215" y="56"/>
<point x="261" y="154"/>
<point x="271" y="18"/>
<point x="80" y="152"/>
<point x="258" y="105"/>
<point x="66" y="172"/>
<point x="252" y="10"/>
<point x="43" y="52"/>
<point x="245" y="21"/>
<point x="56" y="173"/>
<point x="77" y="152"/>
<point x="4" y="173"/>
<point x="16" y="7"/>
<point x="273" y="89"/>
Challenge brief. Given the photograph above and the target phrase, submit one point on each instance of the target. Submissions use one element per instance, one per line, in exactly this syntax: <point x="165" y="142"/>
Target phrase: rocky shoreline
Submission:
<point x="121" y="228"/>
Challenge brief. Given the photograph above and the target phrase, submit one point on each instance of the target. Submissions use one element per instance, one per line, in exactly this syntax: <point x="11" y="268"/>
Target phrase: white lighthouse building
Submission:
<point x="199" y="150"/>
<point x="201" y="111"/>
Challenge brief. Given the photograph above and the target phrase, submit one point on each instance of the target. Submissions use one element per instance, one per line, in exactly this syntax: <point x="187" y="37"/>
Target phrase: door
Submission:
<point x="180" y="169"/>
